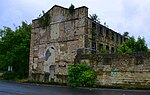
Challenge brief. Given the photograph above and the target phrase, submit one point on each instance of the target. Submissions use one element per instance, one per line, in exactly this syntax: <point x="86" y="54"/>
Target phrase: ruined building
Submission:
<point x="59" y="34"/>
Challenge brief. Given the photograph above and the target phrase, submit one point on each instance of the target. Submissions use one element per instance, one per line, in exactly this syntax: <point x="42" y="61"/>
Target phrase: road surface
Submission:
<point x="13" y="88"/>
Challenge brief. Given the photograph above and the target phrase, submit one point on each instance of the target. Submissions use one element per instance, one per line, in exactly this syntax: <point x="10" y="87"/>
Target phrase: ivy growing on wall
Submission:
<point x="44" y="20"/>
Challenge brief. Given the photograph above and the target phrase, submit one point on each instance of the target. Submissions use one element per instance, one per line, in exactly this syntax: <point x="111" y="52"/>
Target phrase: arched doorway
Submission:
<point x="49" y="63"/>
<point x="52" y="72"/>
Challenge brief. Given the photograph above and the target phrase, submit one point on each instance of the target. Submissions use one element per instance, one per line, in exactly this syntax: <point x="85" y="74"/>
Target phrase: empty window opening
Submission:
<point x="106" y="61"/>
<point x="107" y="33"/>
<point x="107" y="48"/>
<point x="112" y="50"/>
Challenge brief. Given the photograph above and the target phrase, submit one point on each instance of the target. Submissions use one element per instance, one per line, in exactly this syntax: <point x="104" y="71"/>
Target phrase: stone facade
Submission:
<point x="101" y="37"/>
<point x="55" y="46"/>
<point x="119" y="69"/>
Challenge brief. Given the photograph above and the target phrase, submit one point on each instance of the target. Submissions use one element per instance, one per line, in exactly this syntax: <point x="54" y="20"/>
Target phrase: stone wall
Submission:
<point x="54" y="47"/>
<point x="119" y="69"/>
<point x="102" y="37"/>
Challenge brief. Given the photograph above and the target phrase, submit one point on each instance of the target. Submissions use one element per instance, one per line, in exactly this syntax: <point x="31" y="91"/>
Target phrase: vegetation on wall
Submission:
<point x="102" y="51"/>
<point x="80" y="75"/>
<point x="44" y="20"/>
<point x="94" y="35"/>
<point x="71" y="9"/>
<point x="94" y="17"/>
<point x="14" y="49"/>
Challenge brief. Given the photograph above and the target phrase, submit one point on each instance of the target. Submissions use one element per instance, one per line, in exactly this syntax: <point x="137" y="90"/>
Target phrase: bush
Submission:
<point x="80" y="75"/>
<point x="71" y="8"/>
<point x="9" y="75"/>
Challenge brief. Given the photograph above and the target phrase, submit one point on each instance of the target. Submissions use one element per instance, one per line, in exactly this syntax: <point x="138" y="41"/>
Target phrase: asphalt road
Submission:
<point x="13" y="88"/>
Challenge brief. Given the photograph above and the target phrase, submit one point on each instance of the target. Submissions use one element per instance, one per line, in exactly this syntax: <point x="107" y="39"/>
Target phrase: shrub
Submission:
<point x="71" y="8"/>
<point x="9" y="75"/>
<point x="80" y="75"/>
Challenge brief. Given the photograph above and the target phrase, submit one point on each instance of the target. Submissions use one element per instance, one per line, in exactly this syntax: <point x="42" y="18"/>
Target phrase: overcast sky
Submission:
<point x="132" y="16"/>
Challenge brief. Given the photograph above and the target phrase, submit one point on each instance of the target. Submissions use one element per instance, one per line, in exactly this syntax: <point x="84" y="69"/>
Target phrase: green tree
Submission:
<point x="132" y="45"/>
<point x="14" y="49"/>
<point x="141" y="45"/>
<point x="124" y="48"/>
<point x="94" y="17"/>
<point x="71" y="8"/>
<point x="80" y="75"/>
<point x="126" y="34"/>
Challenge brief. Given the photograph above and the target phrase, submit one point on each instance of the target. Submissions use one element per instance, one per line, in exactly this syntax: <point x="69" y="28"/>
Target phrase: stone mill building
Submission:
<point x="57" y="37"/>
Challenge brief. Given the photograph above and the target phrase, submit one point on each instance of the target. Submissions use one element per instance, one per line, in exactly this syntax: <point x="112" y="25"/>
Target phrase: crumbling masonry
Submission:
<point x="55" y="46"/>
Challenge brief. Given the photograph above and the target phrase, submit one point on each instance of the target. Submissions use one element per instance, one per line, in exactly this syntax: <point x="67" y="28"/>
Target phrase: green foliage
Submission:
<point x="71" y="8"/>
<point x="15" y="47"/>
<point x="123" y="49"/>
<point x="9" y="75"/>
<point x="44" y="20"/>
<point x="80" y="75"/>
<point x="102" y="51"/>
<point x="126" y="34"/>
<point x="94" y="17"/>
<point x="141" y="45"/>
<point x="131" y="45"/>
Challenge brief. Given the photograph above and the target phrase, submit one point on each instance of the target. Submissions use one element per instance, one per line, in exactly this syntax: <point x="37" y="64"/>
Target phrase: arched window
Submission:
<point x="47" y="54"/>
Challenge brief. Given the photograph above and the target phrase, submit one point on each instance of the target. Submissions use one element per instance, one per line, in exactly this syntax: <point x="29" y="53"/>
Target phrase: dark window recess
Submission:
<point x="107" y="48"/>
<point x="100" y="31"/>
<point x="47" y="54"/>
<point x="52" y="48"/>
<point x="94" y="46"/>
<point x="107" y="61"/>
<point x="100" y="47"/>
<point x="139" y="60"/>
<point x="33" y="60"/>
<point x="93" y="25"/>
<point x="112" y="50"/>
<point x="107" y="33"/>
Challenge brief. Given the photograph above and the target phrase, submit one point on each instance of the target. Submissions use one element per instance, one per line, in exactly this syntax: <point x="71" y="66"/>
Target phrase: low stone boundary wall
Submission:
<point x="119" y="69"/>
<point x="45" y="78"/>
